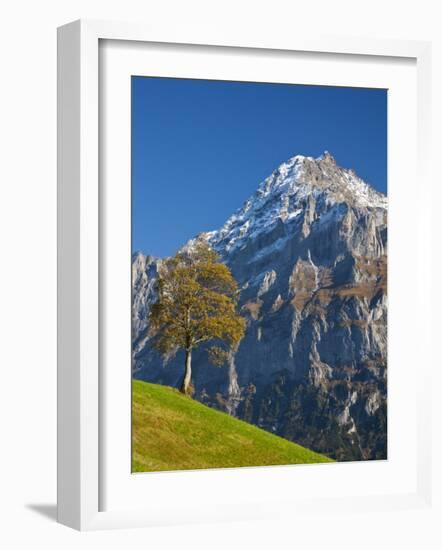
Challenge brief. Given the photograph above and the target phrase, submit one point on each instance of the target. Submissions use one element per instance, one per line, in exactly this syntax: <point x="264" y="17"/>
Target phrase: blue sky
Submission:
<point x="200" y="148"/>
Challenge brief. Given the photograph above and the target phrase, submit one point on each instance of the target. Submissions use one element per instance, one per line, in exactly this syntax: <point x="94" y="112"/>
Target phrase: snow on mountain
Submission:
<point x="283" y="197"/>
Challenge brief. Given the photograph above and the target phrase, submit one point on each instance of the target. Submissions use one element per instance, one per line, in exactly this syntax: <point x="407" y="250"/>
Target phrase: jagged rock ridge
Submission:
<point x="309" y="252"/>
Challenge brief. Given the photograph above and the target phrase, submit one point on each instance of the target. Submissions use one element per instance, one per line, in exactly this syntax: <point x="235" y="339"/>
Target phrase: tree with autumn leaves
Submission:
<point x="196" y="304"/>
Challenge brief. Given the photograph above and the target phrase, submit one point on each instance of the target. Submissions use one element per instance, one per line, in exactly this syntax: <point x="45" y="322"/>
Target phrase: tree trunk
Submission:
<point x="185" y="387"/>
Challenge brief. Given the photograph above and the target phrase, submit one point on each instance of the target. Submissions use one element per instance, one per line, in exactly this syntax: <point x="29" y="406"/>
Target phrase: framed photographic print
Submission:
<point x="288" y="296"/>
<point x="232" y="218"/>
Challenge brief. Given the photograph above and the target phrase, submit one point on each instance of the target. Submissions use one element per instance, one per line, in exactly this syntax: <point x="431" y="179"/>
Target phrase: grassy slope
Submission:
<point x="174" y="432"/>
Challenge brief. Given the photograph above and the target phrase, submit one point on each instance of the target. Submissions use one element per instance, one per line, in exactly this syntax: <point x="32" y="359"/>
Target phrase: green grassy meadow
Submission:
<point x="173" y="432"/>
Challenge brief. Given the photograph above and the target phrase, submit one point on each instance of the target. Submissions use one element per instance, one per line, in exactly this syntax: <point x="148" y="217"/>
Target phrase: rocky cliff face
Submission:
<point x="309" y="253"/>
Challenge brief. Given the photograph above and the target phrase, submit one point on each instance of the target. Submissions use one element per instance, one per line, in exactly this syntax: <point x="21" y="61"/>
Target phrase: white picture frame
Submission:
<point x="79" y="263"/>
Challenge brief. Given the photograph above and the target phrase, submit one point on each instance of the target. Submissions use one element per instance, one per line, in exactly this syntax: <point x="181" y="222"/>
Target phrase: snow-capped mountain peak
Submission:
<point x="289" y="193"/>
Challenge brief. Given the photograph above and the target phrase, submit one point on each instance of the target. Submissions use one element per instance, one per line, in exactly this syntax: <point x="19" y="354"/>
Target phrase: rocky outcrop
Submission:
<point x="309" y="252"/>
